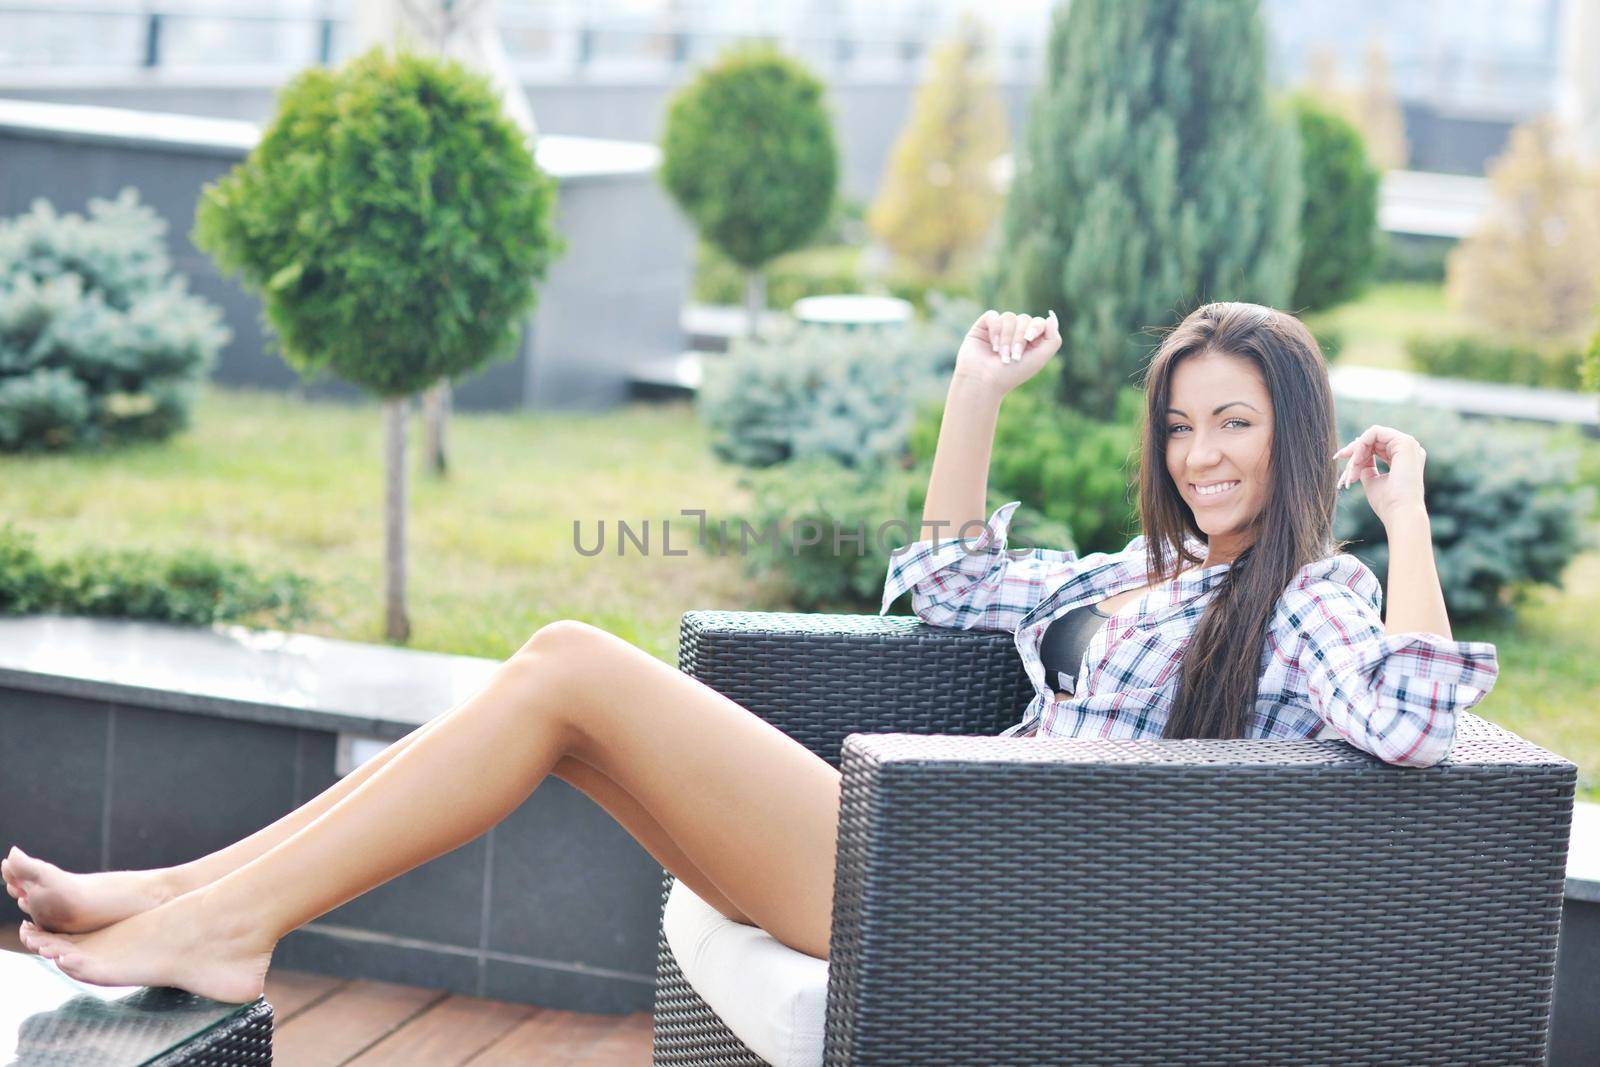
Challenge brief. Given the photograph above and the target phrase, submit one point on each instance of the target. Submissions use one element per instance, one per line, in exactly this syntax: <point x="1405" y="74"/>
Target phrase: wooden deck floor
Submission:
<point x="324" y="1022"/>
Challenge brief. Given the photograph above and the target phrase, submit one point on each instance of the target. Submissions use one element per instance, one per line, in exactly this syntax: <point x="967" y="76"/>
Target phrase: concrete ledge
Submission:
<point x="134" y="745"/>
<point x="256" y="675"/>
<point x="1583" y="855"/>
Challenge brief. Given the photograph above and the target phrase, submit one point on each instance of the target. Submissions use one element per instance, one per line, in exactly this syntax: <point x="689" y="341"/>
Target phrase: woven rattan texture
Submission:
<point x="1199" y="902"/>
<point x="243" y="1041"/>
<point x="819" y="677"/>
<point x="687" y="1031"/>
<point x="1023" y="901"/>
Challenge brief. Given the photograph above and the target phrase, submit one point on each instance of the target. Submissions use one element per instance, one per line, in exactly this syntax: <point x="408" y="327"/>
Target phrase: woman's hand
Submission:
<point x="1002" y="351"/>
<point x="1397" y="492"/>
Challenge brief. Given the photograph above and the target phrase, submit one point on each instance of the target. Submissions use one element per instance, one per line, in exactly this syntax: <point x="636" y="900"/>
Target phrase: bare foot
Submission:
<point x="77" y="903"/>
<point x="184" y="943"/>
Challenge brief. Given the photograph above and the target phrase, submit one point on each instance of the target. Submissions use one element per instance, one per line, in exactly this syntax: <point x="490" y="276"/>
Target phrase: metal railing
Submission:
<point x="164" y="36"/>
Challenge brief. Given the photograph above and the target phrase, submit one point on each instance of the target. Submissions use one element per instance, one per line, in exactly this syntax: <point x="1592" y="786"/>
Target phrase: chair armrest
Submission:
<point x="1168" y="901"/>
<point x="818" y="677"/>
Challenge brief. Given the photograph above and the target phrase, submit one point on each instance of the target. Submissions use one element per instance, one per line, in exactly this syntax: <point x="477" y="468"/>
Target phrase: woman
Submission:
<point x="746" y="817"/>
<point x="1272" y="634"/>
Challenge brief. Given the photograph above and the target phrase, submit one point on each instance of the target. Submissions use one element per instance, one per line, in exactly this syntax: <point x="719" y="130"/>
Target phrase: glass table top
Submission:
<point x="50" y="1020"/>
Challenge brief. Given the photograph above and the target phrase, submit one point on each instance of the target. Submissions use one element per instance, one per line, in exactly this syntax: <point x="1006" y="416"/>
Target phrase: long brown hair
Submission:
<point x="1222" y="665"/>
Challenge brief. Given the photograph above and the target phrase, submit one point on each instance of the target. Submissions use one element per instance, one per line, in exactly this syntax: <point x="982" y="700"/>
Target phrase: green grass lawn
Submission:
<point x="1549" y="685"/>
<point x="1373" y="329"/>
<point x="289" y="484"/>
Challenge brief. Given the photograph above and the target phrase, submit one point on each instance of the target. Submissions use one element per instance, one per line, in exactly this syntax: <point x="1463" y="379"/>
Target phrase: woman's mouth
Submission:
<point x="1216" y="491"/>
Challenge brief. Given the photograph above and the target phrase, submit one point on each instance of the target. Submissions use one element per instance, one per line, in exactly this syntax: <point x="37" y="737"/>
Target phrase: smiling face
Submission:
<point x="1219" y="447"/>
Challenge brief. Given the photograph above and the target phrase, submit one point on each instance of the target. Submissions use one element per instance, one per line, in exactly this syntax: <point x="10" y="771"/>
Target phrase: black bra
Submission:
<point x="1064" y="643"/>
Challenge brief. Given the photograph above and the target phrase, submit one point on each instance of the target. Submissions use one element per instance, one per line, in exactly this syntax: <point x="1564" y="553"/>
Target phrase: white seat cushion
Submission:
<point x="772" y="997"/>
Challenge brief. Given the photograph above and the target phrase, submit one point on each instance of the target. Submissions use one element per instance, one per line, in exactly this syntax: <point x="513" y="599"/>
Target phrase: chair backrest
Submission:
<point x="819" y="677"/>
<point x="1160" y="902"/>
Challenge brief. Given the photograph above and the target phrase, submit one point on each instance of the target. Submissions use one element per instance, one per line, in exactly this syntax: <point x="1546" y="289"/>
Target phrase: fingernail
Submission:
<point x="1016" y="350"/>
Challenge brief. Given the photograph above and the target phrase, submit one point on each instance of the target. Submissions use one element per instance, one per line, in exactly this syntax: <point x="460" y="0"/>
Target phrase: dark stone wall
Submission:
<point x="1575" y="1025"/>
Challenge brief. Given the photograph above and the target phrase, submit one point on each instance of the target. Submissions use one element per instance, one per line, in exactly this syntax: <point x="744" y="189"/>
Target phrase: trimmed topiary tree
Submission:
<point x="1152" y="177"/>
<point x="394" y="223"/>
<point x="749" y="155"/>
<point x="100" y="342"/>
<point x="1339" y="218"/>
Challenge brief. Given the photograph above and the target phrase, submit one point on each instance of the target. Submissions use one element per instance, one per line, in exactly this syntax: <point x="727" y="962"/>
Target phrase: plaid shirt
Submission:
<point x="1328" y="669"/>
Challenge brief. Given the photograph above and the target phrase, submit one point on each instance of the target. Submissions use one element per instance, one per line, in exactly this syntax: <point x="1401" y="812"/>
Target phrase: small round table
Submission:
<point x="852" y="311"/>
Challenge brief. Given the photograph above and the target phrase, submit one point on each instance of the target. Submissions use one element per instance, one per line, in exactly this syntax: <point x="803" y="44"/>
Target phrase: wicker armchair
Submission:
<point x="1026" y="901"/>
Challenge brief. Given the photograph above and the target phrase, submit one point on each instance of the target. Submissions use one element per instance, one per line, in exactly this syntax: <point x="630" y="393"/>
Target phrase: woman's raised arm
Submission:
<point x="1000" y="352"/>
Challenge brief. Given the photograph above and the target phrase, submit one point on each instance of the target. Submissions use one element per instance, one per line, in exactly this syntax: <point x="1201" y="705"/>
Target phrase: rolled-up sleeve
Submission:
<point x="976" y="582"/>
<point x="1395" y="696"/>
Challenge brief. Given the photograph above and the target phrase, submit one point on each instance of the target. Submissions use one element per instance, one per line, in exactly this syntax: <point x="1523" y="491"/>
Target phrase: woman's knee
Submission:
<point x="560" y="656"/>
<point x="563" y="635"/>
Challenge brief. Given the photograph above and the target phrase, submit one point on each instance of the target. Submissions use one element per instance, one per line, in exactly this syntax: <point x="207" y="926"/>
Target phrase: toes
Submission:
<point x="51" y="945"/>
<point x="79" y="967"/>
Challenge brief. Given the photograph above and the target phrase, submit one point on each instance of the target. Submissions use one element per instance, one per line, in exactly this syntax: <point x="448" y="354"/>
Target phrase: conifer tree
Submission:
<point x="1531" y="271"/>
<point x="1339" y="219"/>
<point x="938" y="200"/>
<point x="1153" y="176"/>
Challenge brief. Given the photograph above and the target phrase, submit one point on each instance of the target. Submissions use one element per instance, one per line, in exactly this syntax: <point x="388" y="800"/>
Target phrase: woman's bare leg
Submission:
<point x="752" y="809"/>
<point x="63" y="902"/>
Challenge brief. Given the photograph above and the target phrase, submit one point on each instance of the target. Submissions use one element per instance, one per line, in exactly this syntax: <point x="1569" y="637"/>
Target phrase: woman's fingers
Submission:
<point x="1357" y="450"/>
<point x="1375" y="443"/>
<point x="1022" y="337"/>
<point x="1011" y="335"/>
<point x="991" y="328"/>
<point x="1008" y="326"/>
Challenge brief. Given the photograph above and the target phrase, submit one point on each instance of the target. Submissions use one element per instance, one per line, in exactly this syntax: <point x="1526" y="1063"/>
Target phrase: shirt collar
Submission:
<point x="1127" y="572"/>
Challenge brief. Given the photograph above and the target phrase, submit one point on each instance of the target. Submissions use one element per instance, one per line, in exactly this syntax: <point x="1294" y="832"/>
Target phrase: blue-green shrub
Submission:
<point x="849" y="395"/>
<point x="100" y="343"/>
<point x="801" y="505"/>
<point x="1507" y="510"/>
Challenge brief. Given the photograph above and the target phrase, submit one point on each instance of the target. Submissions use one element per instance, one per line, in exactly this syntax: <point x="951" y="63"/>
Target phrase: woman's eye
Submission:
<point x="1175" y="427"/>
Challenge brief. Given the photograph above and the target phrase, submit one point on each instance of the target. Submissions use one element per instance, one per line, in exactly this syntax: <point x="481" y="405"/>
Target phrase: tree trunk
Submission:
<point x="397" y="626"/>
<point x="755" y="300"/>
<point x="437" y="406"/>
